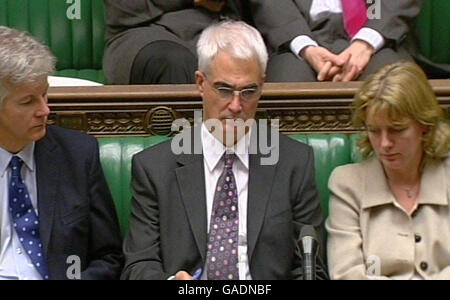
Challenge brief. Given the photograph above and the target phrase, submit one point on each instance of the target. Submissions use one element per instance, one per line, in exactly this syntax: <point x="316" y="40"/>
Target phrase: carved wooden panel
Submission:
<point x="150" y="110"/>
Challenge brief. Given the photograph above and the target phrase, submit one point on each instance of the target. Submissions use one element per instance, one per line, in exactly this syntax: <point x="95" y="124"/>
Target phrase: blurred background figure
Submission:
<point x="153" y="42"/>
<point x="343" y="40"/>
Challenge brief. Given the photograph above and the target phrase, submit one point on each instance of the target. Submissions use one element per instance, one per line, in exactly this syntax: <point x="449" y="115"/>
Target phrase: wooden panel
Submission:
<point x="151" y="109"/>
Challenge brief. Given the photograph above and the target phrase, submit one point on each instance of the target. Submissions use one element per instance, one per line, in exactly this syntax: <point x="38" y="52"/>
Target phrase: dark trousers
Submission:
<point x="164" y="62"/>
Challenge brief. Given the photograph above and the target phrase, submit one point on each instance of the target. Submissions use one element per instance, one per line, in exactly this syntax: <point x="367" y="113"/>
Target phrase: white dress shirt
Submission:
<point x="15" y="264"/>
<point x="213" y="151"/>
<point x="320" y="8"/>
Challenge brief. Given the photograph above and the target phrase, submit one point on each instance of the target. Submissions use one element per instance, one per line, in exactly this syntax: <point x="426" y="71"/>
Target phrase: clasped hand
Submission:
<point x="346" y="66"/>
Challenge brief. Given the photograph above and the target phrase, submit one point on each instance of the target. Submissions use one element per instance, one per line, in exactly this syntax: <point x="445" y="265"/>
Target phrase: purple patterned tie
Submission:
<point x="222" y="256"/>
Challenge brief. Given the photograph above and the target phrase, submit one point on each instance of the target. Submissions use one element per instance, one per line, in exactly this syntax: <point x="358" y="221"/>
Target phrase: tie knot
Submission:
<point x="16" y="165"/>
<point x="229" y="159"/>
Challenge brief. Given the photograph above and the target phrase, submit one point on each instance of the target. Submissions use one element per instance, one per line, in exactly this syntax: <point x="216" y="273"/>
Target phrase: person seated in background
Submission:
<point x="153" y="41"/>
<point x="57" y="217"/>
<point x="225" y="210"/>
<point x="334" y="40"/>
<point x="390" y="215"/>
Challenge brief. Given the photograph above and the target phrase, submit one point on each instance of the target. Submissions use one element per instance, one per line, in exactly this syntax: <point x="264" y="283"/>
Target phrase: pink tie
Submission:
<point x="355" y="15"/>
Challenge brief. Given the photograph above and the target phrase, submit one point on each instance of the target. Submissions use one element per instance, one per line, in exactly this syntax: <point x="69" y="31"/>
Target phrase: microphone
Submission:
<point x="307" y="242"/>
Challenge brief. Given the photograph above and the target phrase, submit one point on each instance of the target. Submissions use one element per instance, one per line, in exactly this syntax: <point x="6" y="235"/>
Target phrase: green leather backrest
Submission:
<point x="78" y="44"/>
<point x="116" y="155"/>
<point x="434" y="29"/>
<point x="330" y="151"/>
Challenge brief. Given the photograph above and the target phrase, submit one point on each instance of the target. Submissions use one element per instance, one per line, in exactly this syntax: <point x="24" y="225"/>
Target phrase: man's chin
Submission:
<point x="38" y="133"/>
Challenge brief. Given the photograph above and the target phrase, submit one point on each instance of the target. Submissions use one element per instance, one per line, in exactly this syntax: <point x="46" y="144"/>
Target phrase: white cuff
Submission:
<point x="371" y="36"/>
<point x="300" y="43"/>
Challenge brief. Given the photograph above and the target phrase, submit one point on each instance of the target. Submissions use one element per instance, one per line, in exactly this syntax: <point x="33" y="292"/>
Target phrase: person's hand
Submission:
<point x="357" y="57"/>
<point x="183" y="275"/>
<point x="325" y="63"/>
<point x="215" y="6"/>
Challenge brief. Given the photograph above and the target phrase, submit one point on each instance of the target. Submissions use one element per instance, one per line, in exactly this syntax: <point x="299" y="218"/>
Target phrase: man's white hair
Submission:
<point x="236" y="38"/>
<point x="23" y="59"/>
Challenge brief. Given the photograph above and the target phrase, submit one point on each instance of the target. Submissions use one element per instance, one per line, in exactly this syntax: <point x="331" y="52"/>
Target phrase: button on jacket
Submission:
<point x="369" y="233"/>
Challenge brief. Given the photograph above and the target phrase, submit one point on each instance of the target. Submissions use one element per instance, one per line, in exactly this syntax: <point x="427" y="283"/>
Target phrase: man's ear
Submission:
<point x="263" y="79"/>
<point x="199" y="80"/>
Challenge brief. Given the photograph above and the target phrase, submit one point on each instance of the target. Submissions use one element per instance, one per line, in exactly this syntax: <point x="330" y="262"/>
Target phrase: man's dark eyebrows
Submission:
<point x="251" y="86"/>
<point x="223" y="84"/>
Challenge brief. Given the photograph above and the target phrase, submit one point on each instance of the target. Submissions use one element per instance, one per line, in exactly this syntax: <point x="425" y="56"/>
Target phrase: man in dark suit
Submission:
<point x="57" y="218"/>
<point x="321" y="44"/>
<point x="223" y="212"/>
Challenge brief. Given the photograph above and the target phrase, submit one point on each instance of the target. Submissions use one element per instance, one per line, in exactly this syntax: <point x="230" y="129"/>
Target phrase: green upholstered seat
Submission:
<point x="116" y="155"/>
<point x="434" y="33"/>
<point x="78" y="44"/>
<point x="330" y="150"/>
<point x="434" y="28"/>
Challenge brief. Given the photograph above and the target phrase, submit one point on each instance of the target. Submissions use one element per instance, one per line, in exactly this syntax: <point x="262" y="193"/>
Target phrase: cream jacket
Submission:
<point x="372" y="237"/>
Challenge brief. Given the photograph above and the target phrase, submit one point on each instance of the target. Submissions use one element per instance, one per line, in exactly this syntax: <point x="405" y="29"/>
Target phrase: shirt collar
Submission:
<point x="434" y="183"/>
<point x="433" y="186"/>
<point x="27" y="155"/>
<point x="213" y="149"/>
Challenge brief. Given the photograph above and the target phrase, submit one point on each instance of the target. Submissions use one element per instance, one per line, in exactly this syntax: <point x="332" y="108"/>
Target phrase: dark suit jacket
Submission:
<point x="76" y="211"/>
<point x="168" y="231"/>
<point x="395" y="25"/>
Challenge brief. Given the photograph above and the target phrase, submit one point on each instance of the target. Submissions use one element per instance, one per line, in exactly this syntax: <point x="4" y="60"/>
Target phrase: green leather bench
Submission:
<point x="79" y="43"/>
<point x="434" y="33"/>
<point x="116" y="153"/>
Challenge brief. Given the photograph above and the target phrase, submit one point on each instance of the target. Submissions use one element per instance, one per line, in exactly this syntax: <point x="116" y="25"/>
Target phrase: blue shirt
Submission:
<point x="15" y="264"/>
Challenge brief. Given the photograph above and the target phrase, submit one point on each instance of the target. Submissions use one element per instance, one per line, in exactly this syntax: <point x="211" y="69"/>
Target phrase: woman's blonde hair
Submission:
<point x="402" y="90"/>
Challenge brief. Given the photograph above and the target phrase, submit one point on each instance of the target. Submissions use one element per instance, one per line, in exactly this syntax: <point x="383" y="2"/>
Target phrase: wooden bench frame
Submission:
<point x="150" y="109"/>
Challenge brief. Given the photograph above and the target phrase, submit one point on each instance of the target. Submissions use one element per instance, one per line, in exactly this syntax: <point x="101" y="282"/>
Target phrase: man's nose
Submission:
<point x="235" y="104"/>
<point x="43" y="109"/>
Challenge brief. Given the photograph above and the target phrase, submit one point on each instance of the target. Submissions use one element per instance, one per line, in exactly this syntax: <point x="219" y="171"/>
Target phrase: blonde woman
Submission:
<point x="390" y="215"/>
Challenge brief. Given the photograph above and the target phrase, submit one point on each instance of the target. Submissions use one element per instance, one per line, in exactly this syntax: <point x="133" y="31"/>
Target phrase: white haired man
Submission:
<point x="54" y="201"/>
<point x="222" y="214"/>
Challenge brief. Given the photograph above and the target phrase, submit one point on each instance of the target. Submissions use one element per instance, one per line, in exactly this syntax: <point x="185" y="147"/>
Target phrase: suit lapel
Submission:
<point x="47" y="177"/>
<point x="191" y="183"/>
<point x="308" y="5"/>
<point x="305" y="7"/>
<point x="260" y="182"/>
